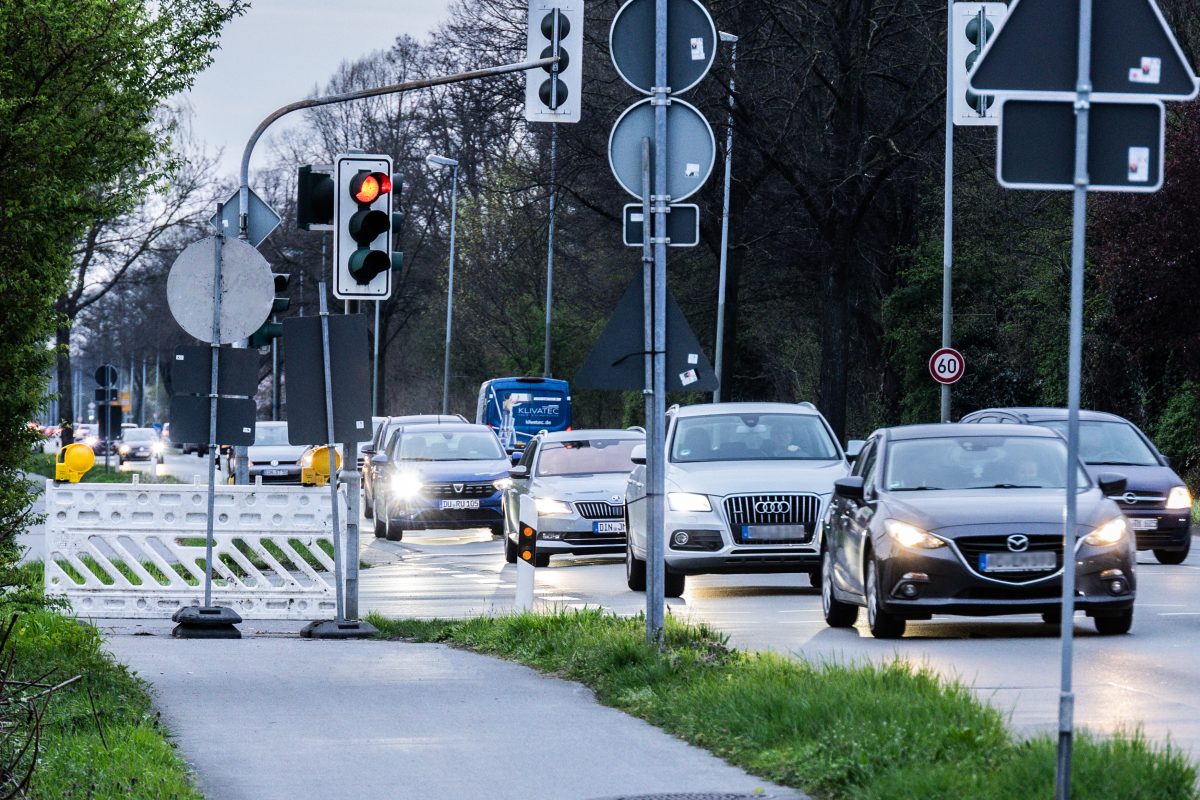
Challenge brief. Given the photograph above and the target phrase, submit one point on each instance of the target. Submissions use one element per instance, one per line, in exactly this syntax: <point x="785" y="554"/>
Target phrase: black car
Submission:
<point x="968" y="519"/>
<point x="1155" y="499"/>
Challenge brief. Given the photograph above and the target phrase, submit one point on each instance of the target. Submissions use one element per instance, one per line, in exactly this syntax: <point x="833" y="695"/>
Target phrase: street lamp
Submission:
<point x="441" y="161"/>
<point x="720" y="349"/>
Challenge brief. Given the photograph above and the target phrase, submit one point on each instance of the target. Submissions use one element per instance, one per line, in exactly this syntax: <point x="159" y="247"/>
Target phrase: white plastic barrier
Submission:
<point x="137" y="550"/>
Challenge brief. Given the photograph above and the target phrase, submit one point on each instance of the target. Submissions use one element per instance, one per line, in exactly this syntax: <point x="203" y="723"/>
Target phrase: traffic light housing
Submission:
<point x="554" y="93"/>
<point x="972" y="26"/>
<point x="398" y="220"/>
<point x="362" y="227"/>
<point x="314" y="199"/>
<point x="281" y="302"/>
<point x="271" y="330"/>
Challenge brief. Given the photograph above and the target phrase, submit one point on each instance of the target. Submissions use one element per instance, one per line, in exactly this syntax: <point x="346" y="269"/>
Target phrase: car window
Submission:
<point x="271" y="435"/>
<point x="139" y="434"/>
<point x="865" y="459"/>
<point x="868" y="473"/>
<point x="586" y="457"/>
<point x="1103" y="442"/>
<point x="752" y="437"/>
<point x="978" y="462"/>
<point x="529" y="455"/>
<point x="448" y="446"/>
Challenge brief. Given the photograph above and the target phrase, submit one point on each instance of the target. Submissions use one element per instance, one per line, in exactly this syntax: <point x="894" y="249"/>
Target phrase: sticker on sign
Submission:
<point x="946" y="365"/>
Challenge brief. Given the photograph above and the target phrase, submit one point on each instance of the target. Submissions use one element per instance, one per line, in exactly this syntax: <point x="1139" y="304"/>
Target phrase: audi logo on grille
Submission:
<point x="772" y="507"/>
<point x="1018" y="543"/>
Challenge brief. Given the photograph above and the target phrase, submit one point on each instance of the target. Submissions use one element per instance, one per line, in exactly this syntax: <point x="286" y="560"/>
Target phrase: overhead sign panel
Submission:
<point x="1134" y="53"/>
<point x="1036" y="147"/>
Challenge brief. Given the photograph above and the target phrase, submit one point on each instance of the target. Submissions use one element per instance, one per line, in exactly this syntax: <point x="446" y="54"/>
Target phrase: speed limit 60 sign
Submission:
<point x="946" y="365"/>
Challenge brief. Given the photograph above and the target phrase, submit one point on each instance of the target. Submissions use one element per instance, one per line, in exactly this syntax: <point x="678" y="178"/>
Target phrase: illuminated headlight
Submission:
<point x="92" y="441"/>
<point x="686" y="501"/>
<point x="548" y="507"/>
<point x="157" y="448"/>
<point x="1107" y="534"/>
<point x="1179" y="498"/>
<point x="911" y="536"/>
<point x="407" y="484"/>
<point x="502" y="483"/>
<point x="124" y="449"/>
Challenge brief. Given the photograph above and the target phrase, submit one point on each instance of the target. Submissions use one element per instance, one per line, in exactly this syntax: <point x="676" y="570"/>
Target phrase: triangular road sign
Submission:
<point x="1134" y="53"/>
<point x="617" y="359"/>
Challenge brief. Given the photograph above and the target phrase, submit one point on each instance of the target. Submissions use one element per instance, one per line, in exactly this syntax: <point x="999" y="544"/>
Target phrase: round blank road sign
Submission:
<point x="247" y="290"/>
<point x="106" y="375"/>
<point x="946" y="365"/>
<point x="691" y="44"/>
<point x="691" y="148"/>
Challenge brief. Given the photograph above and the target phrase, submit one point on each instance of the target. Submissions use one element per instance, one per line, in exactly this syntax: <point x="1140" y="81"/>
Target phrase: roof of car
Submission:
<point x="270" y="423"/>
<point x="1043" y="413"/>
<point x="936" y="430"/>
<point x="444" y="427"/>
<point x="591" y="433"/>
<point x="704" y="409"/>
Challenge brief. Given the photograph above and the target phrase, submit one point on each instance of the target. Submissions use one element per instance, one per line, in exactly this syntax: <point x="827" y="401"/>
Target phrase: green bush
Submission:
<point x="1178" y="433"/>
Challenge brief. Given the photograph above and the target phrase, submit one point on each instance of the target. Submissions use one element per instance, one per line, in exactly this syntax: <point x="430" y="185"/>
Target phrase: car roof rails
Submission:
<point x="637" y="428"/>
<point x="673" y="409"/>
<point x="807" y="404"/>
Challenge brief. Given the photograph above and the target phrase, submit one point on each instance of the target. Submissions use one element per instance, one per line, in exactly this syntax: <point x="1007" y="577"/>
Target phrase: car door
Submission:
<point x="857" y="519"/>
<point x="510" y="500"/>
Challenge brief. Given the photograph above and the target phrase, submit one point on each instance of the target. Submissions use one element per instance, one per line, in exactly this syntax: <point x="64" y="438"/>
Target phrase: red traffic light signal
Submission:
<point x="366" y="186"/>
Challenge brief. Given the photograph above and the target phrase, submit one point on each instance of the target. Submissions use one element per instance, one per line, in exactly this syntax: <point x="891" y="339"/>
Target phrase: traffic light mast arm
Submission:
<point x="407" y="86"/>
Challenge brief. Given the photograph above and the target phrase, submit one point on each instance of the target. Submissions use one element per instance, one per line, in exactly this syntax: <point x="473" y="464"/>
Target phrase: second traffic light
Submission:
<point x="972" y="26"/>
<point x="362" y="227"/>
<point x="271" y="330"/>
<point x="552" y="94"/>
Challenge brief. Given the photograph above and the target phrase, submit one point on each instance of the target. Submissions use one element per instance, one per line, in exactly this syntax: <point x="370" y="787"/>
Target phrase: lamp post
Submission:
<point x="720" y="348"/>
<point x="441" y="161"/>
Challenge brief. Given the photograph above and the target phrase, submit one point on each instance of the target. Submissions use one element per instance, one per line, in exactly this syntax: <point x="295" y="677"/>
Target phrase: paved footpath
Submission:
<point x="277" y="717"/>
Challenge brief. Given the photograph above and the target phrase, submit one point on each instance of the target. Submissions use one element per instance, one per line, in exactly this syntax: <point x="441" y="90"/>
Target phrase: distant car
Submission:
<point x="1155" y="499"/>
<point x="139" y="444"/>
<point x="746" y="485"/>
<point x="439" y="476"/>
<point x="271" y="457"/>
<point x="577" y="481"/>
<point x="967" y="519"/>
<point x="379" y="441"/>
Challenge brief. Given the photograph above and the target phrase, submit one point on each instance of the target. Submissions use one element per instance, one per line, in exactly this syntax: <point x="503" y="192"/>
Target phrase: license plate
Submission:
<point x="1144" y="523"/>
<point x="1043" y="560"/>
<point x="774" y="533"/>
<point x="459" y="505"/>
<point x="274" y="472"/>
<point x="608" y="527"/>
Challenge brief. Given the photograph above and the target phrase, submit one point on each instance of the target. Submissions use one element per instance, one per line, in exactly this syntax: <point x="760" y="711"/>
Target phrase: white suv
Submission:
<point x="746" y="483"/>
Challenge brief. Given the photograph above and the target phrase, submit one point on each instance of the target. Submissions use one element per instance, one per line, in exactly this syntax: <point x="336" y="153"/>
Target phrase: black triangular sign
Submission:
<point x="1134" y="52"/>
<point x="616" y="361"/>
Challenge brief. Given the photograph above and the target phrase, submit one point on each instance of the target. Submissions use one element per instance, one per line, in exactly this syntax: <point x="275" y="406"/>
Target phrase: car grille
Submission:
<point x="773" y="509"/>
<point x="469" y="490"/>
<point x="972" y="547"/>
<point x="1141" y="500"/>
<point x="600" y="510"/>
<point x="613" y="539"/>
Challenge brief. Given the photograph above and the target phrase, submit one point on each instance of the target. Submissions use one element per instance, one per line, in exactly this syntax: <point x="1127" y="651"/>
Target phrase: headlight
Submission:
<point x="686" y="501"/>
<point x="911" y="535"/>
<point x="1179" y="498"/>
<point x="407" y="484"/>
<point x="502" y="483"/>
<point x="124" y="449"/>
<point x="92" y="441"/>
<point x="156" y="447"/>
<point x="1107" y="534"/>
<point x="548" y="507"/>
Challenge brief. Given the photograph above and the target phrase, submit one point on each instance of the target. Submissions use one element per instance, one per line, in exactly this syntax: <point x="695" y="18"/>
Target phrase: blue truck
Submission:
<point x="520" y="408"/>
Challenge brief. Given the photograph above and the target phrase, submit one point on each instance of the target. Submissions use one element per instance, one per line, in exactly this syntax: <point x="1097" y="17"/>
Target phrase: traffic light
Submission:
<point x="362" y="227"/>
<point x="314" y="199"/>
<point x="271" y="330"/>
<point x="973" y="25"/>
<point x="398" y="220"/>
<point x="554" y="93"/>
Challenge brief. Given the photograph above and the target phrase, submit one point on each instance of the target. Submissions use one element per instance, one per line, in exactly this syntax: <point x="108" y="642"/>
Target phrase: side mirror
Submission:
<point x="519" y="473"/>
<point x="854" y="448"/>
<point x="1111" y="483"/>
<point x="850" y="488"/>
<point x="379" y="460"/>
<point x="638" y="454"/>
<point x="516" y="456"/>
<point x="367" y="450"/>
<point x="1166" y="462"/>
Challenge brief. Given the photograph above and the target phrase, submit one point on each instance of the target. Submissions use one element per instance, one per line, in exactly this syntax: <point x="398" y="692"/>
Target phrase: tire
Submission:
<point x="837" y="613"/>
<point x="673" y="583"/>
<point x="1052" y="617"/>
<point x="882" y="624"/>
<point x="380" y="528"/>
<point x="1114" y="624"/>
<point x="541" y="559"/>
<point x="1174" y="556"/>
<point x="394" y="533"/>
<point x="497" y="530"/>
<point x="510" y="550"/>
<point x="814" y="578"/>
<point x="635" y="570"/>
<point x="368" y="507"/>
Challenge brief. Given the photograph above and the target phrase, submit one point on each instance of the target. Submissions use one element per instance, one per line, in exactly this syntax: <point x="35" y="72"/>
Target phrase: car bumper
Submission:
<point x="290" y="474"/>
<point x="1172" y="529"/>
<point x="579" y="536"/>
<point x="732" y="556"/>
<point x="429" y="515"/>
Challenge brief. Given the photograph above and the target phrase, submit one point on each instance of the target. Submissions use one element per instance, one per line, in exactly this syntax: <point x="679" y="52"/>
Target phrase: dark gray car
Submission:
<point x="968" y="519"/>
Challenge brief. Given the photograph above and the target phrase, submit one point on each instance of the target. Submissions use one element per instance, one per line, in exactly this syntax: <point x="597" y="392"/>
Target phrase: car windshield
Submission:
<point x="978" y="462"/>
<point x="139" y="434"/>
<point x="1103" y="442"/>
<point x="752" y="437"/>
<point x="585" y="456"/>
<point x="448" y="446"/>
<point x="271" y="435"/>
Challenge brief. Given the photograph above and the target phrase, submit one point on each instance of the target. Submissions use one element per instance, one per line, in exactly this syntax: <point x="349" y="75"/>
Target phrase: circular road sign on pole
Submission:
<point x="946" y="365"/>
<point x="247" y="290"/>
<point x="691" y="44"/>
<point x="691" y="148"/>
<point x="106" y="375"/>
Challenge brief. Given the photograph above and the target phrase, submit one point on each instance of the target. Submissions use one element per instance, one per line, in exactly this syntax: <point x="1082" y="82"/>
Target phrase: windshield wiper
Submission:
<point x="1119" y="464"/>
<point x="918" y="489"/>
<point x="1010" y="486"/>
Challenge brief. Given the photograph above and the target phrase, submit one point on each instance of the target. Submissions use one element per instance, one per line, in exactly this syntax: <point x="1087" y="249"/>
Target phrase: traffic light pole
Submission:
<point x="948" y="206"/>
<point x="719" y="355"/>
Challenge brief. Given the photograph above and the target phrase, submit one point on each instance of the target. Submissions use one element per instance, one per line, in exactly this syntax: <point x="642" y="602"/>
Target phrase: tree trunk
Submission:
<point x="66" y="386"/>
<point x="835" y="343"/>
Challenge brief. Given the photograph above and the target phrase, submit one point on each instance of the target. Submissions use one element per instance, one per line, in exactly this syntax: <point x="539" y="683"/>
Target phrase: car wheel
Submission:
<point x="882" y="624"/>
<point x="837" y="613"/>
<point x="380" y="528"/>
<point x="393" y="532"/>
<point x="510" y="550"/>
<point x="1114" y="624"/>
<point x="368" y="507"/>
<point x="673" y="583"/>
<point x="635" y="570"/>
<point x="541" y="559"/>
<point x="1174" y="556"/>
<point x="497" y="529"/>
<point x="814" y="578"/>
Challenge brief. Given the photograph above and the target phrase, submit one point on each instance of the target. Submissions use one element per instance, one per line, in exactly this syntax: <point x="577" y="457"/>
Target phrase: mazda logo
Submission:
<point x="772" y="507"/>
<point x="1018" y="543"/>
<point x="1129" y="498"/>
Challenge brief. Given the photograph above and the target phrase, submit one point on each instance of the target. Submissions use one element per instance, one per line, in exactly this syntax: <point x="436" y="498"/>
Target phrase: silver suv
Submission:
<point x="746" y="486"/>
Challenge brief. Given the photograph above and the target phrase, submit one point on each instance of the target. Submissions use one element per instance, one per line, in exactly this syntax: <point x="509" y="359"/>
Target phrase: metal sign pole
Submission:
<point x="553" y="211"/>
<point x="652" y="422"/>
<point x="719" y="356"/>
<point x="948" y="205"/>
<point x="375" y="363"/>
<point x="331" y="452"/>
<point x="219" y="241"/>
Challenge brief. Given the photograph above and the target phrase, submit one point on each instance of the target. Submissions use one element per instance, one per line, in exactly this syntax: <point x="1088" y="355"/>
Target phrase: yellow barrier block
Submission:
<point x="73" y="462"/>
<point x="314" y="466"/>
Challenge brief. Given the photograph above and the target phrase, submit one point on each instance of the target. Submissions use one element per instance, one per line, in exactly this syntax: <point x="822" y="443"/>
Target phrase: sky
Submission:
<point x="279" y="52"/>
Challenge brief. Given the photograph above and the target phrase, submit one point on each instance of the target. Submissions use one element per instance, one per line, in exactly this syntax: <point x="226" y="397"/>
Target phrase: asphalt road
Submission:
<point x="1148" y="678"/>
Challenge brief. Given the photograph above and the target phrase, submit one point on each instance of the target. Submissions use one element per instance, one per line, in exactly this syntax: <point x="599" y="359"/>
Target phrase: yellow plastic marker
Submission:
<point x="73" y="462"/>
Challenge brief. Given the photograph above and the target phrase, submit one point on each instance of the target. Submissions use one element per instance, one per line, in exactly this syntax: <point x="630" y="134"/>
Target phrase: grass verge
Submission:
<point x="43" y="464"/>
<point x="862" y="732"/>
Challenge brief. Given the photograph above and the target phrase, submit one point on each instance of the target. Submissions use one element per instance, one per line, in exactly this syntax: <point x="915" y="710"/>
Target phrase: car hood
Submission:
<point x="973" y="510"/>
<point x="1155" y="478"/>
<point x="601" y="487"/>
<point x="721" y="478"/>
<point x="275" y="452"/>
<point x="458" y="471"/>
